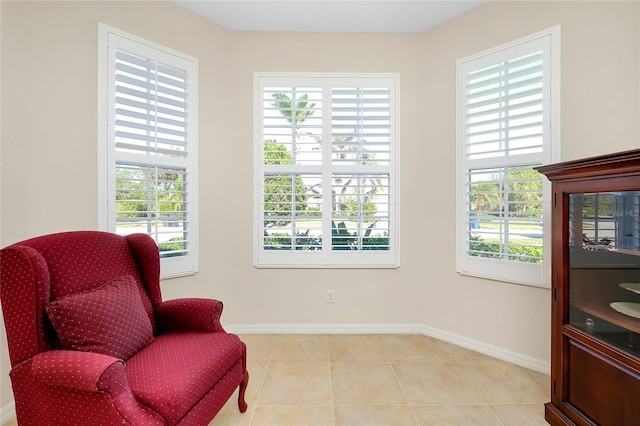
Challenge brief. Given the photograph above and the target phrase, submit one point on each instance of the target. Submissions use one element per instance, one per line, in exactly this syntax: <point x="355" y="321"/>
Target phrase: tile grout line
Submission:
<point x="494" y="414"/>
<point x="395" y="374"/>
<point x="404" y="394"/>
<point x="484" y="403"/>
<point x="333" y="403"/>
<point x="264" y="379"/>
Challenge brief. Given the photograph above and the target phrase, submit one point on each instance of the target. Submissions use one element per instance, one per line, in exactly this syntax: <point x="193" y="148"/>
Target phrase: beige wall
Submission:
<point x="600" y="113"/>
<point x="49" y="151"/>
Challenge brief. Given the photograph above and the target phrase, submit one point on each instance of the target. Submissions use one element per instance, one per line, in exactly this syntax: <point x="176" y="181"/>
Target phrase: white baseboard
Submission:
<point x="8" y="413"/>
<point x="490" y="350"/>
<point x="325" y="329"/>
<point x="476" y="345"/>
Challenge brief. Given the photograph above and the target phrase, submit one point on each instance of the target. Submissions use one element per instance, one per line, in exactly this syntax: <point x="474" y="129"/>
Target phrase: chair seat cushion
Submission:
<point x="177" y="369"/>
<point x="110" y="320"/>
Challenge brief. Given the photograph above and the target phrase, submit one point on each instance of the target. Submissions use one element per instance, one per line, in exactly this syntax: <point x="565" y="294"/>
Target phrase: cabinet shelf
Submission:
<point x="604" y="311"/>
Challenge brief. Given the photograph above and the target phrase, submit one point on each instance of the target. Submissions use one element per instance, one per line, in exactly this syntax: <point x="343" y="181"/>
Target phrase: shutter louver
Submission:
<point x="292" y="119"/>
<point x="151" y="144"/>
<point x="504" y="141"/>
<point x="504" y="108"/>
<point x="360" y="122"/>
<point x="151" y="107"/>
<point x="505" y="220"/>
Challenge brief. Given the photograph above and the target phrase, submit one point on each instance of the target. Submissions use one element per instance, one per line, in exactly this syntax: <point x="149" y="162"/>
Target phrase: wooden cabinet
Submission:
<point x="595" y="336"/>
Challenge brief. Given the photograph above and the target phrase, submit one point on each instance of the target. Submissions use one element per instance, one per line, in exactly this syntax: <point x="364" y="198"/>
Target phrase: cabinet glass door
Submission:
<point x="604" y="266"/>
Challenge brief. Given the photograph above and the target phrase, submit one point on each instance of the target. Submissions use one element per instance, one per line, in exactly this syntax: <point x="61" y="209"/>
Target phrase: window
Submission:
<point x="326" y="165"/>
<point x="507" y="107"/>
<point x="147" y="146"/>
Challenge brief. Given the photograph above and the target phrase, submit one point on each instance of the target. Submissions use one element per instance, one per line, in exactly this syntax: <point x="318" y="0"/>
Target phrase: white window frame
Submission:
<point x="110" y="39"/>
<point x="505" y="270"/>
<point x="326" y="258"/>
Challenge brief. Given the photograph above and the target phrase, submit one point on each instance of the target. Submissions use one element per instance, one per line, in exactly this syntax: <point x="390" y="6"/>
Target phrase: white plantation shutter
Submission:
<point x="151" y="107"/>
<point x="504" y="131"/>
<point x="361" y="125"/>
<point x="326" y="161"/>
<point x="504" y="108"/>
<point x="151" y="147"/>
<point x="361" y="143"/>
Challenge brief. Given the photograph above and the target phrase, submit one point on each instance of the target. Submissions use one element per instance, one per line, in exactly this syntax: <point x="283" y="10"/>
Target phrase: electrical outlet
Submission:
<point x="331" y="296"/>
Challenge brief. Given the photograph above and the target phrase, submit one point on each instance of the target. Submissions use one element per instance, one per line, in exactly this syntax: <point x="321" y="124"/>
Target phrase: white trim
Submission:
<point x="8" y="413"/>
<point x="490" y="350"/>
<point x="497" y="352"/>
<point x="103" y="137"/>
<point x="325" y="329"/>
<point x="555" y="148"/>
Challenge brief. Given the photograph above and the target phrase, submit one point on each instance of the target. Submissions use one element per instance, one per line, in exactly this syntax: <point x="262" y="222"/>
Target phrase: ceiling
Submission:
<point x="381" y="16"/>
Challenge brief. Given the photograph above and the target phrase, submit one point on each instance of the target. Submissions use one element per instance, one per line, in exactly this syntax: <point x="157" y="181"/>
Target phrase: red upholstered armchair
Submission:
<point x="92" y="343"/>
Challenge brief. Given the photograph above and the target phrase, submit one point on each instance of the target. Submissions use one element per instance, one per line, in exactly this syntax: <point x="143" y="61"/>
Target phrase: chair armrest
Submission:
<point x="62" y="373"/>
<point x="189" y="314"/>
<point x="72" y="369"/>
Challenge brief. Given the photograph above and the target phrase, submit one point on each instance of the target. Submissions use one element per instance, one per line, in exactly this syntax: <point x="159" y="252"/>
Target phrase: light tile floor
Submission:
<point x="369" y="380"/>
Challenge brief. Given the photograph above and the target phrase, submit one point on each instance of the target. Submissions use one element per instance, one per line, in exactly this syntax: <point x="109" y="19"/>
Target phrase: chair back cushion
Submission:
<point x="109" y="320"/>
<point x="40" y="270"/>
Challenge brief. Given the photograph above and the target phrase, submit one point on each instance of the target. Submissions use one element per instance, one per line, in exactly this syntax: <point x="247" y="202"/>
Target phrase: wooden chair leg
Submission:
<point x="242" y="404"/>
